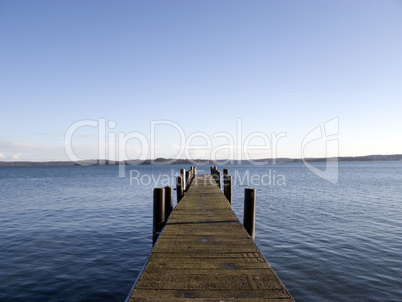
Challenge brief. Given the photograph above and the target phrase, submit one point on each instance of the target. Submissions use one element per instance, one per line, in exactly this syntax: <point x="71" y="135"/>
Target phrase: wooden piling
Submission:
<point x="249" y="211"/>
<point x="187" y="180"/>
<point x="168" y="201"/>
<point x="183" y="179"/>
<point x="218" y="178"/>
<point x="159" y="212"/>
<point x="227" y="187"/>
<point x="194" y="172"/>
<point x="190" y="175"/>
<point x="179" y="188"/>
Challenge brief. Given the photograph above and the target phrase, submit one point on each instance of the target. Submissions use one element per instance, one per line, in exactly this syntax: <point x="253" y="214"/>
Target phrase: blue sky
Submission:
<point x="206" y="66"/>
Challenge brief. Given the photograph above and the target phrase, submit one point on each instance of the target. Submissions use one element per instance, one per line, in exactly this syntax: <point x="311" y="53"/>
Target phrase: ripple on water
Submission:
<point x="83" y="234"/>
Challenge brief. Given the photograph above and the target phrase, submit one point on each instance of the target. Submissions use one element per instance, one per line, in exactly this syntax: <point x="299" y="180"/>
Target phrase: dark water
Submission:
<point x="83" y="233"/>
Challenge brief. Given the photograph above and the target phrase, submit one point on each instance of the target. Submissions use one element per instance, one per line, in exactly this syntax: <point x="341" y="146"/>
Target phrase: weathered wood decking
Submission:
<point x="205" y="254"/>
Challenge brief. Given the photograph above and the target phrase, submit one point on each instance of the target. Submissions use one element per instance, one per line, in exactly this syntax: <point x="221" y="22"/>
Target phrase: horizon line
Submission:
<point x="197" y="160"/>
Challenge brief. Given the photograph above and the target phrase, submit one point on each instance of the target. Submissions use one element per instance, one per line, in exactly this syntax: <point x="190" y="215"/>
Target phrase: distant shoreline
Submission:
<point x="161" y="161"/>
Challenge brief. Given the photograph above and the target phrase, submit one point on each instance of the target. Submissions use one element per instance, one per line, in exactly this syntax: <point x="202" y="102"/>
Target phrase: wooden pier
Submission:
<point x="205" y="254"/>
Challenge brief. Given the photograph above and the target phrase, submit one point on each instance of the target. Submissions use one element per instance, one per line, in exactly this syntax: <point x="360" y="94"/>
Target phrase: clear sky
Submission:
<point x="209" y="67"/>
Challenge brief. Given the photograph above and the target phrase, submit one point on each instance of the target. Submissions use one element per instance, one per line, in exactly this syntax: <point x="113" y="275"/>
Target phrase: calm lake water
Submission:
<point x="83" y="233"/>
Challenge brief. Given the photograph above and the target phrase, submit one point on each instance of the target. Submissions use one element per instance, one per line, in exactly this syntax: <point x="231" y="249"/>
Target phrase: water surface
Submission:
<point x="83" y="233"/>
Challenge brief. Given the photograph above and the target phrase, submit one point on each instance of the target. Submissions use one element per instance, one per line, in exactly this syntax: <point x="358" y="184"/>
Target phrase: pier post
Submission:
<point x="159" y="212"/>
<point x="227" y="187"/>
<point x="168" y="201"/>
<point x="225" y="172"/>
<point x="179" y="188"/>
<point x="249" y="211"/>
<point x="183" y="179"/>
<point x="218" y="178"/>
<point x="194" y="169"/>
<point x="188" y="179"/>
<point x="192" y="172"/>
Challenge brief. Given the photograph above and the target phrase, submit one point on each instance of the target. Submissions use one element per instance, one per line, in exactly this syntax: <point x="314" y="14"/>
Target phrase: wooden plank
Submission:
<point x="220" y="294"/>
<point x="205" y="254"/>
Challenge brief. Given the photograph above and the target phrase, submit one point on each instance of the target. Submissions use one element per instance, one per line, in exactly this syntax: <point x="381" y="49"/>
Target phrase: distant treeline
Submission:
<point x="394" y="157"/>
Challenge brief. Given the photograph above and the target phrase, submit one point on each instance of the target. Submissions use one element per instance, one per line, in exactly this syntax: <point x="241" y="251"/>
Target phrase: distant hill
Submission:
<point x="393" y="157"/>
<point x="162" y="161"/>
